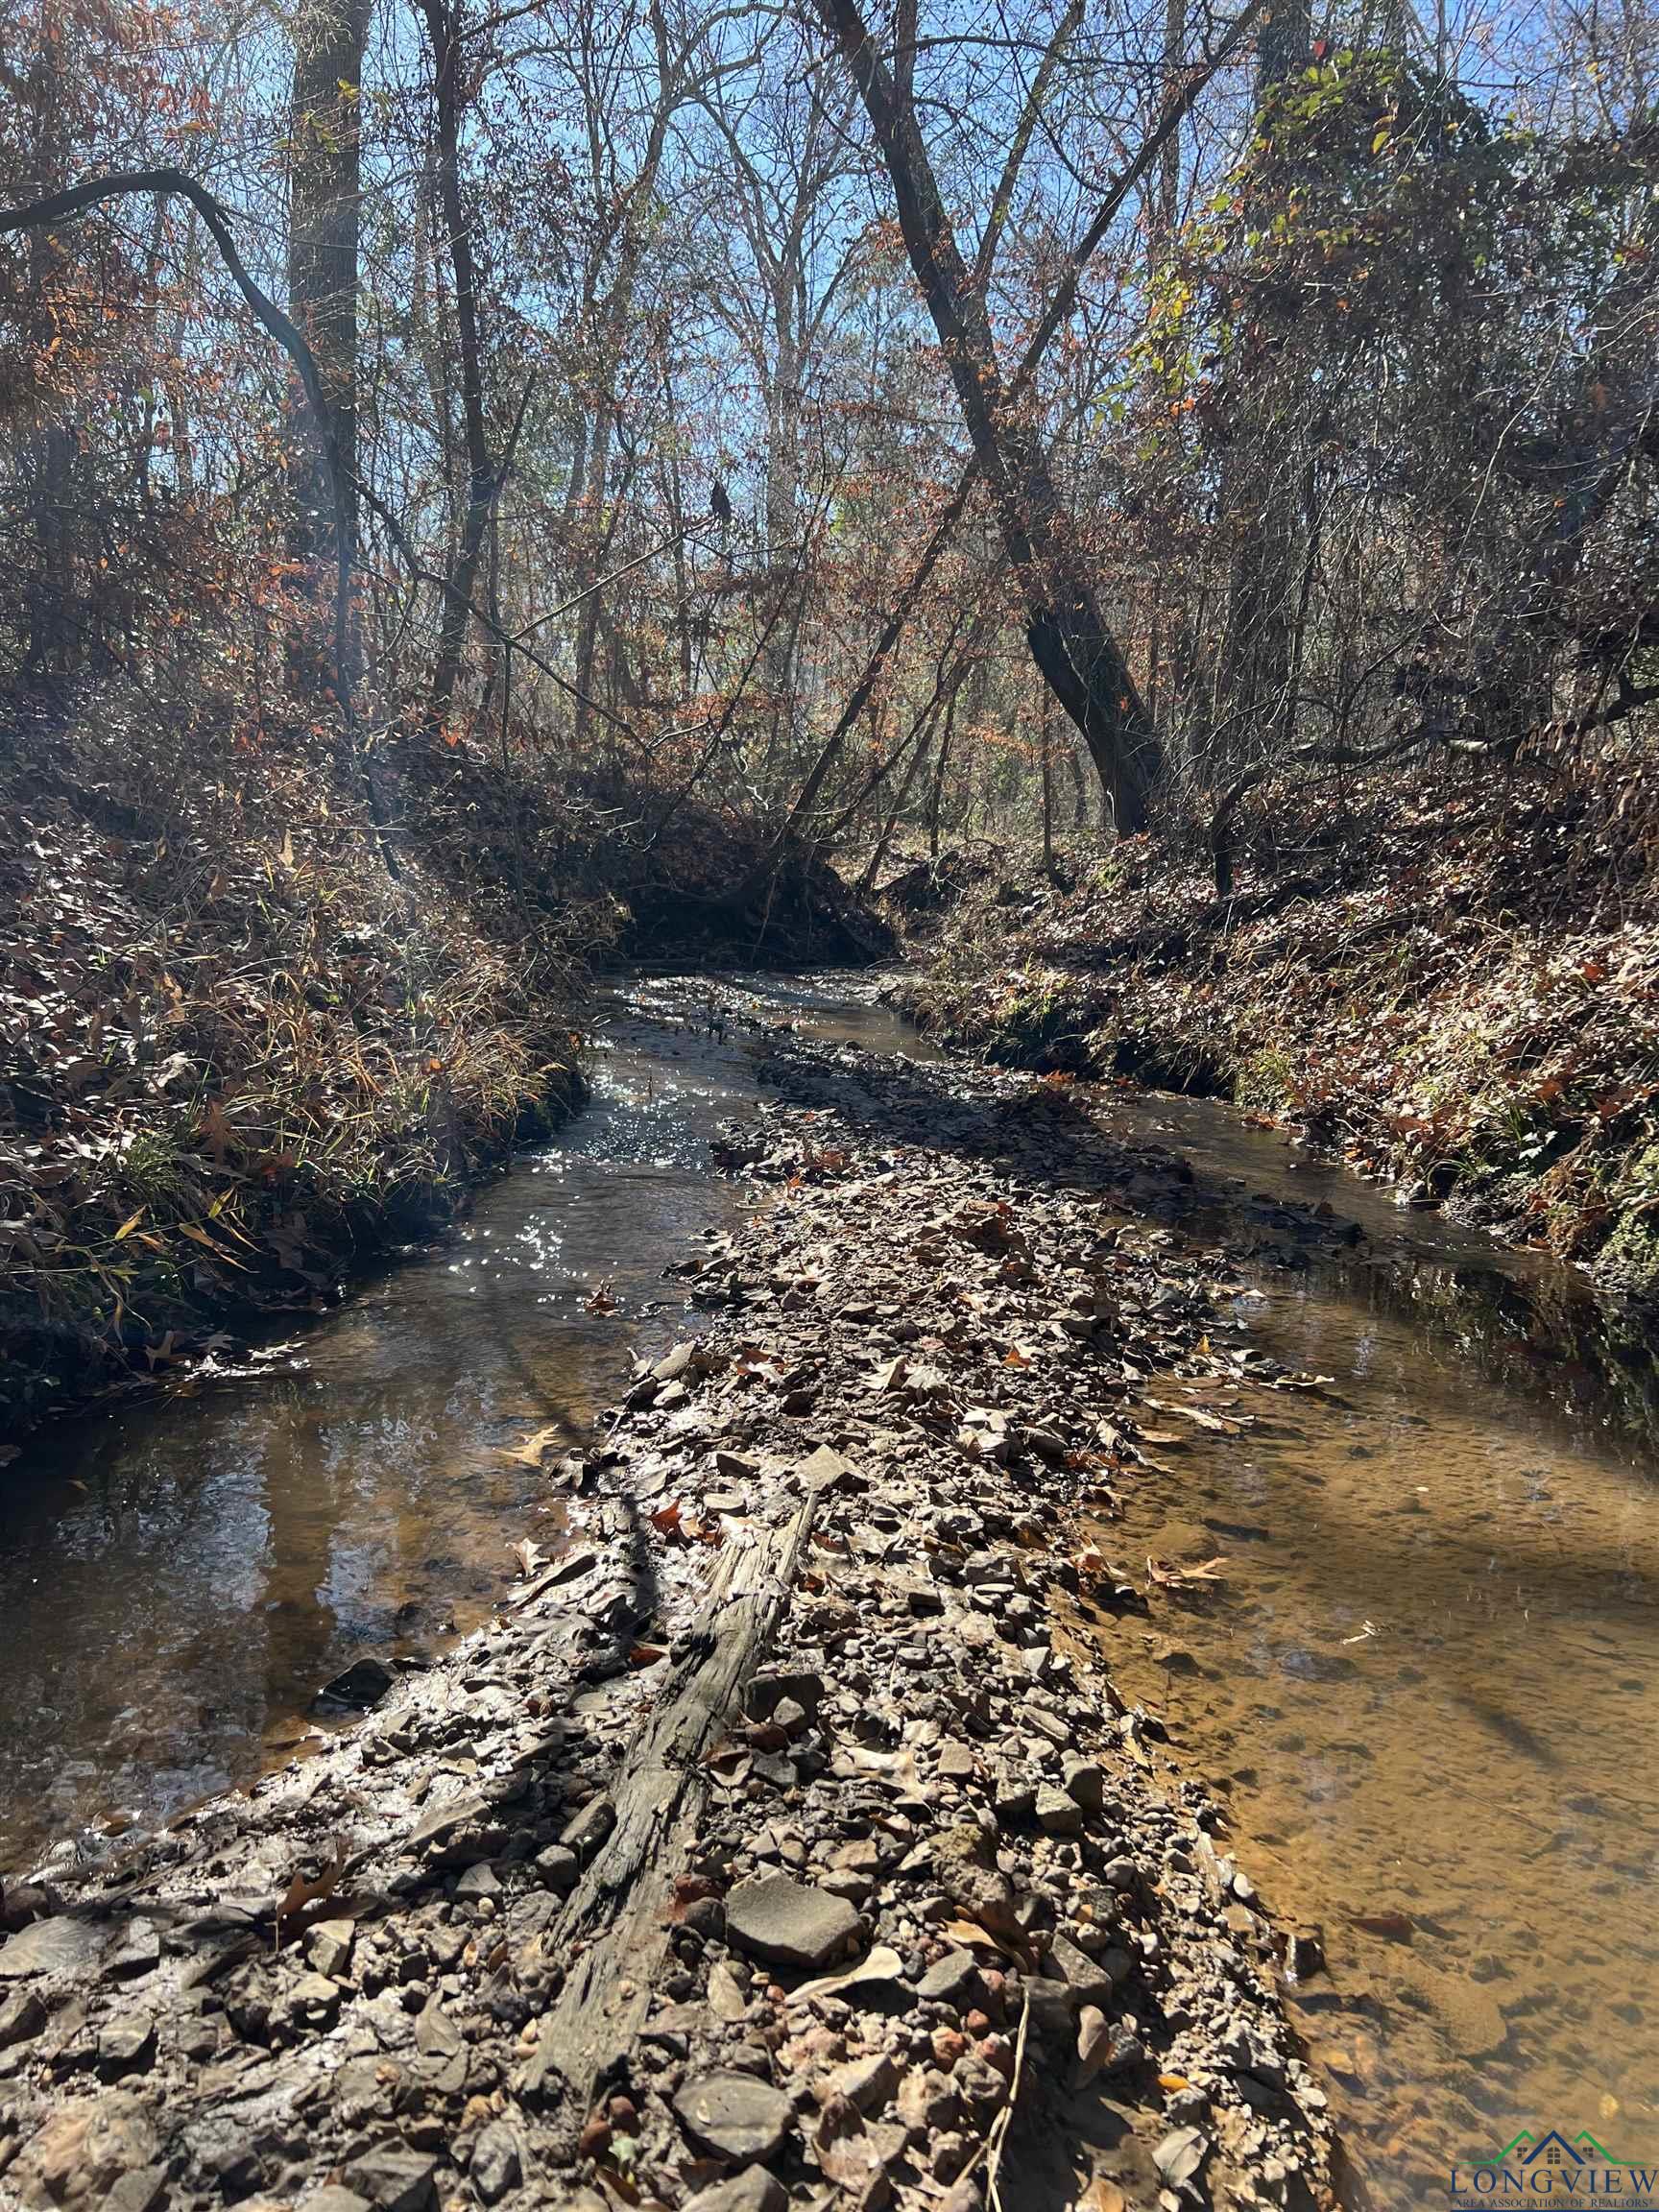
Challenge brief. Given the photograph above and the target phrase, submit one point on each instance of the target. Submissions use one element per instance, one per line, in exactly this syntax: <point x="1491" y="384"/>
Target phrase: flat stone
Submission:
<point x="1086" y="1784"/>
<point x="334" y="2199"/>
<point x="865" y="2083"/>
<point x="394" y="2181"/>
<point x="947" y="1980"/>
<point x="1085" y="1981"/>
<point x="788" y="1923"/>
<point x="754" y="2190"/>
<point x="828" y="1470"/>
<point x="314" y="1993"/>
<point x="727" y="2000"/>
<point x="1179" y="2157"/>
<point x="436" y="2034"/>
<point x="140" y="2190"/>
<point x="137" y="1951"/>
<point x="734" y="2115"/>
<point x="127" y="2046"/>
<point x="1015" y="1802"/>
<point x="63" y="1945"/>
<point x="361" y="1687"/>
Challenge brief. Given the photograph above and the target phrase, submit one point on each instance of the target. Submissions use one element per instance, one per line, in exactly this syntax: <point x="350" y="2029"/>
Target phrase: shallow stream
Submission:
<point x="1427" y="1687"/>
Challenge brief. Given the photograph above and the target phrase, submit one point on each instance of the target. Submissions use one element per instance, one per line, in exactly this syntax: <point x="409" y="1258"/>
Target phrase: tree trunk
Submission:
<point x="1078" y="656"/>
<point x="443" y="30"/>
<point x="1260" y="496"/>
<point x="323" y="223"/>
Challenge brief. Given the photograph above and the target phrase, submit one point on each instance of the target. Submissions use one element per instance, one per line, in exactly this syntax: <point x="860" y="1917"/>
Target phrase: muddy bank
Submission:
<point x="784" y="1834"/>
<point x="1453" y="990"/>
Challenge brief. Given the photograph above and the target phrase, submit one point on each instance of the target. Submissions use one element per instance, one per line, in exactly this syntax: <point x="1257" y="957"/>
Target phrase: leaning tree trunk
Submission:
<point x="1078" y="657"/>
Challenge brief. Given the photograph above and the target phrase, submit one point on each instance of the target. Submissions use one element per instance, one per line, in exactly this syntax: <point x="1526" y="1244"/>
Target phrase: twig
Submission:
<point x="1004" y="2119"/>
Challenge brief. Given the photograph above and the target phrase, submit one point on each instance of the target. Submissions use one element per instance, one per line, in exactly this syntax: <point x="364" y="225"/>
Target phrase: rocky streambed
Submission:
<point x="782" y="1837"/>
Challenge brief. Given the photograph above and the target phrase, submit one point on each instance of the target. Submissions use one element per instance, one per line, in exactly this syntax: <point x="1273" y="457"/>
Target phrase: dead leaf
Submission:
<point x="530" y="1451"/>
<point x="1167" y="1574"/>
<point x="1102" y="2195"/>
<point x="1396" y="1927"/>
<point x="303" y="1892"/>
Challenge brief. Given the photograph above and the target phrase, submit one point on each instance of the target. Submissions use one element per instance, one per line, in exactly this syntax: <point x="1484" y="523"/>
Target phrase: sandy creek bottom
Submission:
<point x="1426" y="1688"/>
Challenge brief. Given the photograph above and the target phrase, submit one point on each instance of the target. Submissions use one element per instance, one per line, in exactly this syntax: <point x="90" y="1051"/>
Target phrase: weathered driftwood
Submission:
<point x="617" y="1916"/>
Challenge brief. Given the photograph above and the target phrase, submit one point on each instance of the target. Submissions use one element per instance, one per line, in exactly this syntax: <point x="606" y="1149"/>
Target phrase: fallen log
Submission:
<point x="616" y="1921"/>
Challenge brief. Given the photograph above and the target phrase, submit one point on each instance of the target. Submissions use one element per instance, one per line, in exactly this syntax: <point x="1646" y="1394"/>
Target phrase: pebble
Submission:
<point x="754" y="2190"/>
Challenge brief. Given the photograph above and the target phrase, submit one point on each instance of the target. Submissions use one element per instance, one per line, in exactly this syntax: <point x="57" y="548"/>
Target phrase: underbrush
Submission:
<point x="237" y="1058"/>
<point x="1457" y="988"/>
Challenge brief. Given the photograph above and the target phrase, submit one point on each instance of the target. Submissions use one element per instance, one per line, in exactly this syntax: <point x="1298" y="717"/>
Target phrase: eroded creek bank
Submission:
<point x="981" y="1374"/>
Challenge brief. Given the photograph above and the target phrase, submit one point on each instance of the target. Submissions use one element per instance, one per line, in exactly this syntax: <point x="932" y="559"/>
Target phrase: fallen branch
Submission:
<point x="618" y="1914"/>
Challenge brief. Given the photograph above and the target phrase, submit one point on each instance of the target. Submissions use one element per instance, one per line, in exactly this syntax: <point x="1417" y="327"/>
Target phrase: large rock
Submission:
<point x="787" y="1923"/>
<point x="84" y="2152"/>
<point x="394" y="2181"/>
<point x="497" y="2165"/>
<point x="63" y="1945"/>
<point x="734" y="2115"/>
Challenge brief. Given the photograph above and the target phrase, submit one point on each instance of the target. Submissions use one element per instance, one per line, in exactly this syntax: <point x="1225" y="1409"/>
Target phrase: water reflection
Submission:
<point x="179" y="1579"/>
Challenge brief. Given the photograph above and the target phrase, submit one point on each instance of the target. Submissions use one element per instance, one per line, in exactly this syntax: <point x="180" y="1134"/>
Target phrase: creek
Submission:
<point x="1426" y="1688"/>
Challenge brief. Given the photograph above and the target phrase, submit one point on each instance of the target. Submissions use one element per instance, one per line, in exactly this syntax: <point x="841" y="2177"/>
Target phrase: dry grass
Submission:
<point x="1456" y="989"/>
<point x="235" y="1057"/>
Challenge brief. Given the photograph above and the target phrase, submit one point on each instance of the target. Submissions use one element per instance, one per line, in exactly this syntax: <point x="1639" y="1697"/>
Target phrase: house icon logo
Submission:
<point x="1552" y="2167"/>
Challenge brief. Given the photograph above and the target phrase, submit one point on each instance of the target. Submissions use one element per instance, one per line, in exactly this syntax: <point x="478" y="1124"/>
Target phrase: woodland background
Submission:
<point x="484" y="485"/>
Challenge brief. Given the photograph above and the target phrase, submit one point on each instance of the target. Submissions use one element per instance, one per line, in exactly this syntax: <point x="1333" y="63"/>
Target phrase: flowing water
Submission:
<point x="1426" y="1690"/>
<point x="179" y="1579"/>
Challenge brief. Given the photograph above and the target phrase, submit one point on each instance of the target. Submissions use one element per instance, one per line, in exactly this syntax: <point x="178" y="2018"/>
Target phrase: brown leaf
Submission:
<point x="1168" y="1576"/>
<point x="1396" y="1927"/>
<point x="1102" y="2195"/>
<point x="531" y="1450"/>
<point x="303" y="1892"/>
